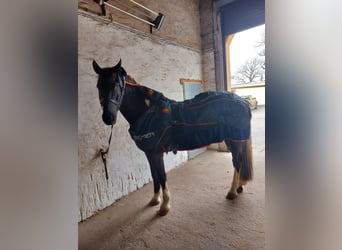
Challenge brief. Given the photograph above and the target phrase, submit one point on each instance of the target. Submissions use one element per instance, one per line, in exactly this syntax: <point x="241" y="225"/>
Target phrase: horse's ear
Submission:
<point x="117" y="66"/>
<point x="96" y="67"/>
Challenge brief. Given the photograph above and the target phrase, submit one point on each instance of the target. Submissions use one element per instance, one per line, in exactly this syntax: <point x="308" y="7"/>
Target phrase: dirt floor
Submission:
<point x="200" y="217"/>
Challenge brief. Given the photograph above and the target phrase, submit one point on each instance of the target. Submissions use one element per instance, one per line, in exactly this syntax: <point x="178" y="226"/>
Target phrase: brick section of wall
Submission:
<point x="181" y="22"/>
<point x="206" y="21"/>
<point x="153" y="61"/>
<point x="208" y="70"/>
<point x="207" y="44"/>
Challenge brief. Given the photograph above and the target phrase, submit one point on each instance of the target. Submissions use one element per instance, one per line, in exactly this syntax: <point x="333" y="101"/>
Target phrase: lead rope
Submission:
<point x="104" y="152"/>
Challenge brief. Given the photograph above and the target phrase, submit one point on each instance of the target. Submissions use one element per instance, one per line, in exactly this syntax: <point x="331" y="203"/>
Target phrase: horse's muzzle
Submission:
<point x="108" y="118"/>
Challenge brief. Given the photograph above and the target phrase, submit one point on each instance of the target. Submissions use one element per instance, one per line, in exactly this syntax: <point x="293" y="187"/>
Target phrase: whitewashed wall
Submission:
<point x="153" y="62"/>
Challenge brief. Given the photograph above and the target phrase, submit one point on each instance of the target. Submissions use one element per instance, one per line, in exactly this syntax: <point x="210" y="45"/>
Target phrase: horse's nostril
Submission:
<point x="107" y="118"/>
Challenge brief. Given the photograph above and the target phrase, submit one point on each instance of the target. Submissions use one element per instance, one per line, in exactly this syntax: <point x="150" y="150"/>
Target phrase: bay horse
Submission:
<point x="159" y="125"/>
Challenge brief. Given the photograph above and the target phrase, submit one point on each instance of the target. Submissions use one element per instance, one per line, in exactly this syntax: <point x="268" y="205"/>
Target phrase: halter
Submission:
<point x="122" y="85"/>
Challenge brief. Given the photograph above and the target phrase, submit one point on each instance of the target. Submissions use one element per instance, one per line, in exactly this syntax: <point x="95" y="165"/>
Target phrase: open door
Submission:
<point x="190" y="89"/>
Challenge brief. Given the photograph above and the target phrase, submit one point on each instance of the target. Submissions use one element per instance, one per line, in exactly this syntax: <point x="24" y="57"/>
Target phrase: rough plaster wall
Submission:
<point x="156" y="63"/>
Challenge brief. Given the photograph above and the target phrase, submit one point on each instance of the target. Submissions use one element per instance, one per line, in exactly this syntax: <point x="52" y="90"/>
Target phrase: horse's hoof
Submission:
<point x="163" y="212"/>
<point x="231" y="196"/>
<point x="239" y="190"/>
<point x="154" y="203"/>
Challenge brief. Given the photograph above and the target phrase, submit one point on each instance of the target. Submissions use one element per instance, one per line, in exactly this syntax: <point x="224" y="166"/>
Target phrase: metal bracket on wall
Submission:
<point x="156" y="23"/>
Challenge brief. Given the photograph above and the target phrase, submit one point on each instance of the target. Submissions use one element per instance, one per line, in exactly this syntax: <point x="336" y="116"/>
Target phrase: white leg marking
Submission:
<point x="155" y="199"/>
<point x="165" y="206"/>
<point x="242" y="183"/>
<point x="232" y="194"/>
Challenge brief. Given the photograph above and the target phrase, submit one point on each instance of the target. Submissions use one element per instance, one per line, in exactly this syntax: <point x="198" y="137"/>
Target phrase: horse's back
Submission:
<point x="207" y="118"/>
<point x="225" y="108"/>
<point x="210" y="117"/>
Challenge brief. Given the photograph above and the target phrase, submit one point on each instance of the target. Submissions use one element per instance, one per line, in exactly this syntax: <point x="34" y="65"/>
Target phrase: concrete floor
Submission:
<point x="200" y="217"/>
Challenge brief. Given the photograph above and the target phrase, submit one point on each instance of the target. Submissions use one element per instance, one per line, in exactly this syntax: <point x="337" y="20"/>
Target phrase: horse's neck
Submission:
<point x="133" y="104"/>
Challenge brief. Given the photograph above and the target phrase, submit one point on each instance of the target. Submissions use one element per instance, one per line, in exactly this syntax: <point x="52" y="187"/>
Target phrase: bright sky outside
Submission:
<point x="243" y="48"/>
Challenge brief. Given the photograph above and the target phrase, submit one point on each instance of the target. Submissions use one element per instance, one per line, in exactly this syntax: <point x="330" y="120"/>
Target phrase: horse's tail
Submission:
<point x="242" y="158"/>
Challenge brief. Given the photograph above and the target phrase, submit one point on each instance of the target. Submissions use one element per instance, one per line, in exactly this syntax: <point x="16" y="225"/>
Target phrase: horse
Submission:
<point x="166" y="126"/>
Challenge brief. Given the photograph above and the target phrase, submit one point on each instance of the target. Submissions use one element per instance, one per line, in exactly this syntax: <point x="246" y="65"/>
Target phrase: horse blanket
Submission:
<point x="207" y="118"/>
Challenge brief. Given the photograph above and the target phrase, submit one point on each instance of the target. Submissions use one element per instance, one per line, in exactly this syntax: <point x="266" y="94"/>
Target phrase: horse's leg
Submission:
<point x="235" y="187"/>
<point x="165" y="206"/>
<point x="242" y="161"/>
<point x="156" y="184"/>
<point x="157" y="162"/>
<point x="246" y="172"/>
<point x="241" y="183"/>
<point x="232" y="194"/>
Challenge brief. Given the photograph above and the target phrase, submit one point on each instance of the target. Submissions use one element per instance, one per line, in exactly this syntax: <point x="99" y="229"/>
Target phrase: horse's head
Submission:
<point x="111" y="87"/>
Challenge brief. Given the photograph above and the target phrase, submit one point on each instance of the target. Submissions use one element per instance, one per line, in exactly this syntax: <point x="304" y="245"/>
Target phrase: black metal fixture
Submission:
<point x="154" y="22"/>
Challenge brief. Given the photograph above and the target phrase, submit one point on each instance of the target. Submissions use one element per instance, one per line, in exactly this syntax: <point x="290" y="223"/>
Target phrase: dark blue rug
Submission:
<point x="208" y="118"/>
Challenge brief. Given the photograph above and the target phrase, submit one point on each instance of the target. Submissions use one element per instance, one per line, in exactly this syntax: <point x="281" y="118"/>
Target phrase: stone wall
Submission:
<point x="207" y="44"/>
<point x="154" y="60"/>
